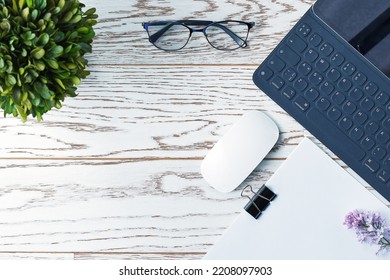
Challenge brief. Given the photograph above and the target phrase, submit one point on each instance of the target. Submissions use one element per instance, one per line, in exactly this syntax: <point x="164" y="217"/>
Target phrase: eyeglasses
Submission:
<point x="222" y="35"/>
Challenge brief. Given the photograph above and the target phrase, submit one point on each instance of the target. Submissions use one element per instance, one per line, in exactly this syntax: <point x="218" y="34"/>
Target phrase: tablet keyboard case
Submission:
<point x="335" y="93"/>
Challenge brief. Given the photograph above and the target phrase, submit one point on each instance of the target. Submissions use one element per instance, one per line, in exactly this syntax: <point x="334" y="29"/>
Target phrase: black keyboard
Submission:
<point x="335" y="93"/>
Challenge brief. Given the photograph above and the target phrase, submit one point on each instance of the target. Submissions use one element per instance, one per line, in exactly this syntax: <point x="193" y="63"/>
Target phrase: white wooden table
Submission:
<point x="115" y="173"/>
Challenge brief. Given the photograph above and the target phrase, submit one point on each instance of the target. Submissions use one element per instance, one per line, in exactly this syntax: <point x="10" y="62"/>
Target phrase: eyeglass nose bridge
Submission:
<point x="202" y="30"/>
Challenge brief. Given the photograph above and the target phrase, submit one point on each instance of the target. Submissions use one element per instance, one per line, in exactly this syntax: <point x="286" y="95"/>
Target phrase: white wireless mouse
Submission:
<point x="239" y="151"/>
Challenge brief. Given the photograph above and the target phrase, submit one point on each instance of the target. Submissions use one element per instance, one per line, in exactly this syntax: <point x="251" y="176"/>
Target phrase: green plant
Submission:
<point x="42" y="47"/>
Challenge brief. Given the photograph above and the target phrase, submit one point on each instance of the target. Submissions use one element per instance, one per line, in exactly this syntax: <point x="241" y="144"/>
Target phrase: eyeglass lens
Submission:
<point x="174" y="38"/>
<point x="227" y="35"/>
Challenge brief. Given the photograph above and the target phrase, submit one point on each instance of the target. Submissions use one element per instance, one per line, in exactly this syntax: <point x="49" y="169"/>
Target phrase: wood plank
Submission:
<point x="160" y="206"/>
<point x="121" y="39"/>
<point x="36" y="256"/>
<point x="139" y="256"/>
<point x="115" y="206"/>
<point x="147" y="112"/>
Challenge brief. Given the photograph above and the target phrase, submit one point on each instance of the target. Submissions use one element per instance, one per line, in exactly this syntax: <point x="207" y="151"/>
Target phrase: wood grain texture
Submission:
<point x="95" y="206"/>
<point x="36" y="256"/>
<point x="148" y="112"/>
<point x="115" y="173"/>
<point x="121" y="39"/>
<point x="139" y="256"/>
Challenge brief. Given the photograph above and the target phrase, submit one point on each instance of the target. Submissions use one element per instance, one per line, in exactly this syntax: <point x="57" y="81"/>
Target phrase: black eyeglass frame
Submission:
<point x="187" y="23"/>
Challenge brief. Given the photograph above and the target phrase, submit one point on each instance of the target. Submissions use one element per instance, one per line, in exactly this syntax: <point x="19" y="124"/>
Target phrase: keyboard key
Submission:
<point x="356" y="94"/>
<point x="386" y="124"/>
<point x="334" y="114"/>
<point x="338" y="97"/>
<point x="357" y="133"/>
<point x="372" y="127"/>
<point x="368" y="143"/>
<point x="337" y="59"/>
<point x="345" y="123"/>
<point x="304" y="29"/>
<point x="315" y="39"/>
<point x="323" y="104"/>
<point x="382" y="137"/>
<point x="301" y="84"/>
<point x="367" y="104"/>
<point x="313" y="94"/>
<point x="304" y="68"/>
<point x="322" y="65"/>
<point x="277" y="82"/>
<point x="322" y="127"/>
<point x="296" y="43"/>
<point x="387" y="163"/>
<point x="360" y="117"/>
<point x="288" y="92"/>
<point x="288" y="55"/>
<point x="349" y="108"/>
<point x="359" y="78"/>
<point x="333" y="75"/>
<point x="302" y="103"/>
<point x="379" y="153"/>
<point x="378" y="114"/>
<point x="311" y="55"/>
<point x="316" y="78"/>
<point x="372" y="165"/>
<point x="384" y="176"/>
<point x="266" y="73"/>
<point x="289" y="74"/>
<point x="276" y="64"/>
<point x="344" y="84"/>
<point x="326" y="49"/>
<point x="349" y="69"/>
<point x="371" y="88"/>
<point x="327" y="88"/>
<point x="382" y="98"/>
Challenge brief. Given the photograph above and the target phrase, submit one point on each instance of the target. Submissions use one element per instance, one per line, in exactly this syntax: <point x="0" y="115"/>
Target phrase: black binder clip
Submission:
<point x="259" y="202"/>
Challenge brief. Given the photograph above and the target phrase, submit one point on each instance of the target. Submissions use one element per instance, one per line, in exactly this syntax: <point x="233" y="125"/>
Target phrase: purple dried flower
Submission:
<point x="370" y="228"/>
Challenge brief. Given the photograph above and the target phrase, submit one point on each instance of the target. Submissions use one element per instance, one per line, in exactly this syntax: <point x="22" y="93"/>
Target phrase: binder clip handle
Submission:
<point x="260" y="200"/>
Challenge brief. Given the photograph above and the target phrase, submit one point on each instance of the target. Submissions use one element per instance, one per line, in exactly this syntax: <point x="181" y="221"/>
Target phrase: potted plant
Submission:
<point x="42" y="48"/>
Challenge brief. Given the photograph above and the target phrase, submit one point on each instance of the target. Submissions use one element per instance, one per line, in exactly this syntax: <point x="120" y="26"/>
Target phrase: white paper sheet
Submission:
<point x="305" y="221"/>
